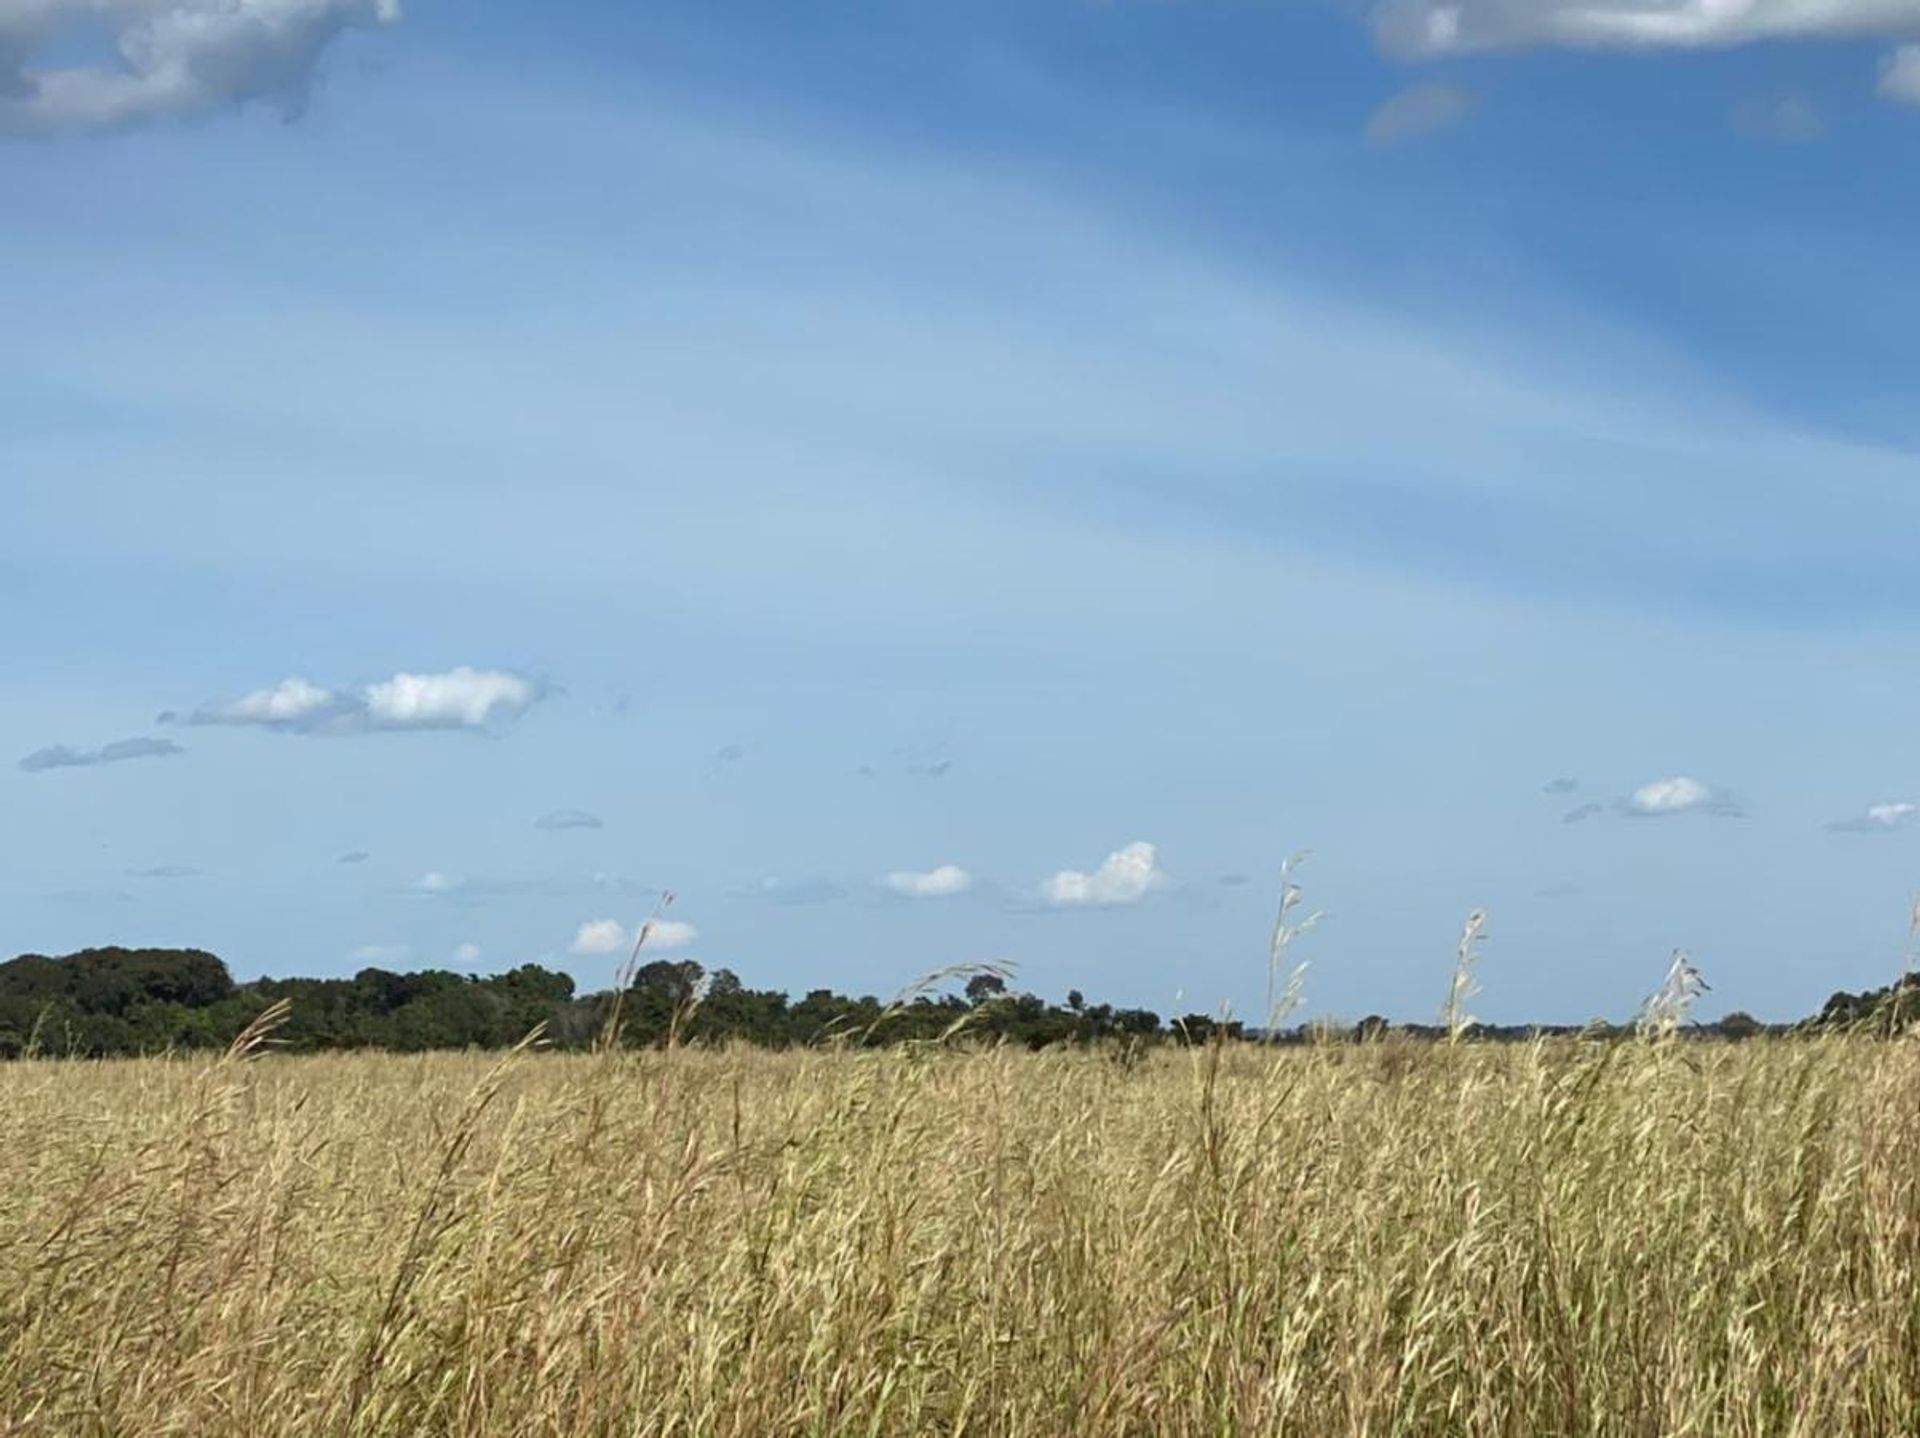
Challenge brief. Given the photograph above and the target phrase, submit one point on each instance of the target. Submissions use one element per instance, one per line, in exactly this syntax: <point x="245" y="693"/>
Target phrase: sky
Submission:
<point x="931" y="485"/>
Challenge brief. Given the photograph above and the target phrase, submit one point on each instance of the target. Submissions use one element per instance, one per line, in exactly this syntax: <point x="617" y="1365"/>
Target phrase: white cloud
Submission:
<point x="1425" y="28"/>
<point x="291" y="701"/>
<point x="610" y="936"/>
<point x="435" y="883"/>
<point x="1900" y="75"/>
<point x="172" y="57"/>
<point x="670" y="934"/>
<point x="467" y="954"/>
<point x="599" y="936"/>
<point x="462" y="698"/>
<point x="1126" y="877"/>
<point x="1419" y="110"/>
<point x="940" y="883"/>
<point x="380" y="954"/>
<point x="1878" y="819"/>
<point x="458" y="698"/>
<point x="1678" y="795"/>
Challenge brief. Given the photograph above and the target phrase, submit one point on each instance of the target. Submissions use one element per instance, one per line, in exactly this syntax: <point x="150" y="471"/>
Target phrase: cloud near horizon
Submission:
<point x="599" y="937"/>
<point x="171" y="58"/>
<point x="1126" y="876"/>
<point x="938" y="883"/>
<point x="62" y="756"/>
<point x="458" y="698"/>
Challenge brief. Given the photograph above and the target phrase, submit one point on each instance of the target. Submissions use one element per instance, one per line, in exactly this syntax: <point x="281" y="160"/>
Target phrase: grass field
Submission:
<point x="1598" y="1238"/>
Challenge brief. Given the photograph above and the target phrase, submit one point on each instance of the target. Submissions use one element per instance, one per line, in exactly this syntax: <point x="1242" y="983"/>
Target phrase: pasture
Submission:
<point x="1566" y="1237"/>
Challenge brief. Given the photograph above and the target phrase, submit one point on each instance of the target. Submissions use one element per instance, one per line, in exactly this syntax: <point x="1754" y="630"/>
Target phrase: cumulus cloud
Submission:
<point x="940" y="883"/>
<point x="1419" y="110"/>
<point x="1878" y="819"/>
<point x="459" y="698"/>
<point x="1426" y="28"/>
<point x="1125" y="877"/>
<point x="599" y="937"/>
<point x="171" y="57"/>
<point x="1681" y="794"/>
<point x="60" y="756"/>
<point x="568" y="819"/>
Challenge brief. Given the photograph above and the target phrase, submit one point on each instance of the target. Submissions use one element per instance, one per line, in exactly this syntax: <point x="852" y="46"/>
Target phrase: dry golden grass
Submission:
<point x="1386" y="1239"/>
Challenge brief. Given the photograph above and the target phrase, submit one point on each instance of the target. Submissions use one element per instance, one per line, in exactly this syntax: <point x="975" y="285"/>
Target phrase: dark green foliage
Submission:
<point x="117" y="1001"/>
<point x="103" y="1002"/>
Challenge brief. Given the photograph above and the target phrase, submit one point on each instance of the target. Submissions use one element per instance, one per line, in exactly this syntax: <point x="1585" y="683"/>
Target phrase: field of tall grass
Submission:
<point x="1567" y="1237"/>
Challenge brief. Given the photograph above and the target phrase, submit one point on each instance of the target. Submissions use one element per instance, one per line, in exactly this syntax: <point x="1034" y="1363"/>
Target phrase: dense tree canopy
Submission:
<point x="102" y="1002"/>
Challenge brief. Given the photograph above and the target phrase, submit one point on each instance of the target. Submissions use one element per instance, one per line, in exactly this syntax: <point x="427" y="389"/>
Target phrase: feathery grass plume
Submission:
<point x="1453" y="1013"/>
<point x="927" y="983"/>
<point x="1282" y="1002"/>
<point x="610" y="1032"/>
<point x="1669" y="1005"/>
<point x="1898" y="1007"/>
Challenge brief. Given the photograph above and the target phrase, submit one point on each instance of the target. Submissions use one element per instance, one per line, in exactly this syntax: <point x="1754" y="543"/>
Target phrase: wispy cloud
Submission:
<point x="440" y="884"/>
<point x="165" y="871"/>
<point x="1900" y="75"/>
<point x="938" y="883"/>
<point x="381" y="954"/>
<point x="1580" y="813"/>
<point x="1126" y="876"/>
<point x="1429" y="29"/>
<point x="1452" y="27"/>
<point x="777" y="890"/>
<point x="172" y="57"/>
<point x="597" y="937"/>
<point x="458" y="698"/>
<point x="1792" y="120"/>
<point x="568" y="819"/>
<point x="354" y="856"/>
<point x="1419" y="110"/>
<point x="1561" y="786"/>
<point x="60" y="756"/>
<point x="1884" y="818"/>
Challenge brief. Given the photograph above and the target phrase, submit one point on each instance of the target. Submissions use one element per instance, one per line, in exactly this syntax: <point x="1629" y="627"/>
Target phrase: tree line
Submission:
<point x="114" y="1001"/>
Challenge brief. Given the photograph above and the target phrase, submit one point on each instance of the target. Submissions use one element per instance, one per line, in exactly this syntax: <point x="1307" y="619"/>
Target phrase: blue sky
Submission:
<point x="873" y="469"/>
